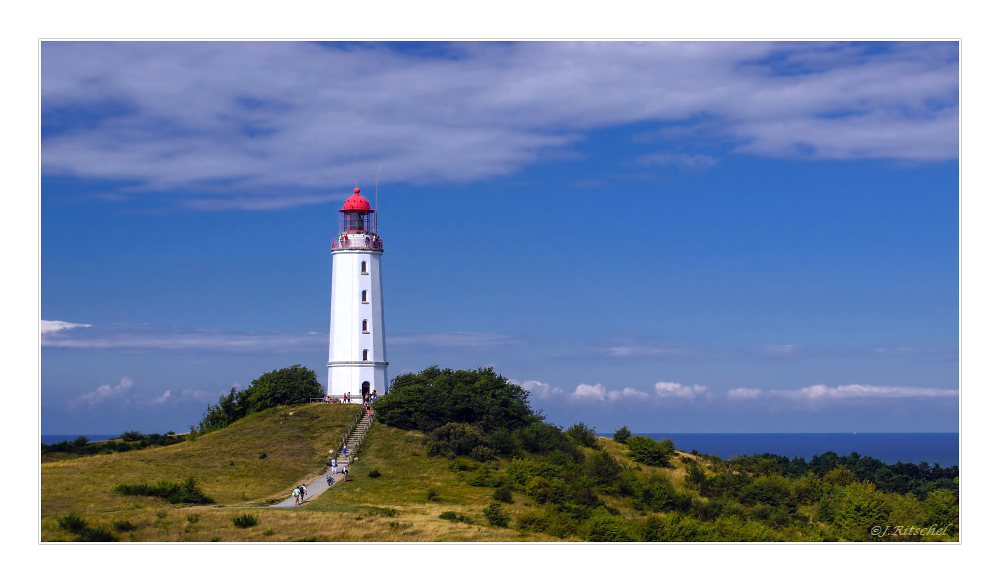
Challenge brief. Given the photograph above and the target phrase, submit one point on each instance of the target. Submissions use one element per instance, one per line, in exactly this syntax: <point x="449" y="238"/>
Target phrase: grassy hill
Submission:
<point x="398" y="493"/>
<point x="404" y="503"/>
<point x="227" y="465"/>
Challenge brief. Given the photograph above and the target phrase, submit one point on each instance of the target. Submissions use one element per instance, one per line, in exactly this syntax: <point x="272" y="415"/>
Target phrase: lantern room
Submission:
<point x="357" y="215"/>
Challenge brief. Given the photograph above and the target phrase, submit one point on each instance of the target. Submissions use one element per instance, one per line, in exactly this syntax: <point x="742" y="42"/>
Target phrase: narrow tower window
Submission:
<point x="364" y="355"/>
<point x="364" y="325"/>
<point x="364" y="267"/>
<point x="364" y="295"/>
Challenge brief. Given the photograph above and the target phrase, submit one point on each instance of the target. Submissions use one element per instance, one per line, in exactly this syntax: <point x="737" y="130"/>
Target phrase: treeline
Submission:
<point x="127" y="441"/>
<point x="576" y="488"/>
<point x="292" y="385"/>
<point x="901" y="478"/>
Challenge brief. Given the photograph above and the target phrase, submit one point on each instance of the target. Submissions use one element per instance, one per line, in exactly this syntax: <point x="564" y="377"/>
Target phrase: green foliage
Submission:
<point x="85" y="533"/>
<point x="607" y="528"/>
<point x="263" y="455"/>
<point x="495" y="515"/>
<point x="245" y="521"/>
<point x="292" y="385"/>
<point x="186" y="492"/>
<point x="862" y="506"/>
<point x="622" y="434"/>
<point x="695" y="476"/>
<point x="123" y="525"/>
<point x="646" y="450"/>
<point x="942" y="509"/>
<point x="436" y="397"/>
<point x="433" y="495"/>
<point x="374" y="473"/>
<point x="453" y="516"/>
<point x="131" y="441"/>
<point x="583" y="435"/>
<point x="771" y="490"/>
<point x="73" y="523"/>
<point x="504" y="494"/>
<point x="841" y="476"/>
<point x="458" y="439"/>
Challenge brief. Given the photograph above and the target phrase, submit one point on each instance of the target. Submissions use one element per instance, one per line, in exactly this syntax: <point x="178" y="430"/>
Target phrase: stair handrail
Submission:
<point x="350" y="428"/>
<point x="364" y="431"/>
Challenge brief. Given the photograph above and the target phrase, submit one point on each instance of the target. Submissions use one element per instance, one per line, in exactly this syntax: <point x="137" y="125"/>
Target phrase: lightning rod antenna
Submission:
<point x="377" y="168"/>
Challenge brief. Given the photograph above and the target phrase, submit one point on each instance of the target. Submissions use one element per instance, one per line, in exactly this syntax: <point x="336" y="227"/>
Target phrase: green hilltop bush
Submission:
<point x="583" y="435"/>
<point x="646" y="450"/>
<point x="292" y="385"/>
<point x="436" y="397"/>
<point x="622" y="434"/>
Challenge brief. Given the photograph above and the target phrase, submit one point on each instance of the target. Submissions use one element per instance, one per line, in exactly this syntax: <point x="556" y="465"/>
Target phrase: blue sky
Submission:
<point x="677" y="236"/>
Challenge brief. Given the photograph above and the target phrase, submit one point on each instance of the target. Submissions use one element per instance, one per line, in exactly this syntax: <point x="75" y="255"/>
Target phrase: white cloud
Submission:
<point x="627" y="393"/>
<point x="103" y="393"/>
<point x="693" y="162"/>
<point x="162" y="398"/>
<point x="155" y="338"/>
<point x="284" y="122"/>
<point x="195" y="395"/>
<point x="664" y="389"/>
<point x="781" y="349"/>
<point x="539" y="389"/>
<point x="56" y="326"/>
<point x="823" y="392"/>
<point x="450" y="340"/>
<point x="595" y="392"/>
<point x="641" y="351"/>
<point x="743" y="393"/>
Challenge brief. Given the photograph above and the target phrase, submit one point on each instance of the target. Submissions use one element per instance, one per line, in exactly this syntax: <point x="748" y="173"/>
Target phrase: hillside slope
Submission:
<point x="227" y="463"/>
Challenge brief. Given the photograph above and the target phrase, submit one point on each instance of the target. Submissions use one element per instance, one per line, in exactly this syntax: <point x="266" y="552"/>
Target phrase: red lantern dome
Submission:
<point x="356" y="203"/>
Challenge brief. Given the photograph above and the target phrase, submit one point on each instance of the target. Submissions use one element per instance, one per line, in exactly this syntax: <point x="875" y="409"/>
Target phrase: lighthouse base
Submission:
<point x="356" y="378"/>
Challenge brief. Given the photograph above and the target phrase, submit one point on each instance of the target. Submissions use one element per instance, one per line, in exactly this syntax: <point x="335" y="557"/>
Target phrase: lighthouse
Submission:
<point x="357" y="362"/>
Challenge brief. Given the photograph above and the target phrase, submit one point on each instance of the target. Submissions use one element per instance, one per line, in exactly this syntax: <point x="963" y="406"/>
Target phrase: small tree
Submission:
<point x="622" y="434"/>
<point x="585" y="436"/>
<point x="646" y="450"/>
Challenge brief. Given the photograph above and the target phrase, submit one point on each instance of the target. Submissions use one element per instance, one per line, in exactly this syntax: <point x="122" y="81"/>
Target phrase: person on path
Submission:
<point x="345" y="449"/>
<point x="303" y="489"/>
<point x="296" y="492"/>
<point x="345" y="473"/>
<point x="329" y="480"/>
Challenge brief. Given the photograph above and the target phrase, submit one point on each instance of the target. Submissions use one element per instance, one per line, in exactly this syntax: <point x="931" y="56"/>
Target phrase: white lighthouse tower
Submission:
<point x="357" y="324"/>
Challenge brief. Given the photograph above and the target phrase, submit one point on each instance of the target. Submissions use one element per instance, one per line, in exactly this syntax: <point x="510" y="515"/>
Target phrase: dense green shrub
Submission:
<point x="186" y="492"/>
<point x="123" y="525"/>
<point x="458" y="439"/>
<point x="73" y="523"/>
<point x="622" y="434"/>
<point x="374" y="473"/>
<point x="435" y="397"/>
<point x="85" y="533"/>
<point x="245" y="521"/>
<point x="503" y="494"/>
<point x="861" y="507"/>
<point x="292" y="385"/>
<point x="942" y="509"/>
<point x="607" y="528"/>
<point x="495" y="514"/>
<point x="455" y="517"/>
<point x="583" y="435"/>
<point x="646" y="450"/>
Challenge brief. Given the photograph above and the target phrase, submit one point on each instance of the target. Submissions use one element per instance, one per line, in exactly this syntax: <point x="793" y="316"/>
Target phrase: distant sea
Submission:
<point x="50" y="439"/>
<point x="941" y="448"/>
